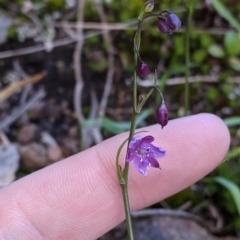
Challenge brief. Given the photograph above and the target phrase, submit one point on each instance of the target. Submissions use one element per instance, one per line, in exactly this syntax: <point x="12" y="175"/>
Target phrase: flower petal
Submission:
<point x="153" y="161"/>
<point x="173" y="21"/>
<point x="143" y="154"/>
<point x="157" y="151"/>
<point x="147" y="139"/>
<point x="135" y="143"/>
<point x="130" y="155"/>
<point x="141" y="166"/>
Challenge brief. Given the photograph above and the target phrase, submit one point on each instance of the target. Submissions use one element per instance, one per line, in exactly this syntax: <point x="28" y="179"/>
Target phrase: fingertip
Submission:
<point x="198" y="130"/>
<point x="218" y="132"/>
<point x="83" y="191"/>
<point x="194" y="146"/>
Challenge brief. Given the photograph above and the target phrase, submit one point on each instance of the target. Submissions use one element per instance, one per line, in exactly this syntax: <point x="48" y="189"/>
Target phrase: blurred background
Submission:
<point x="66" y="70"/>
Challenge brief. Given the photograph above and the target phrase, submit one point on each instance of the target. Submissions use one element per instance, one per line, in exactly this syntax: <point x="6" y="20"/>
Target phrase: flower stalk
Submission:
<point x="141" y="151"/>
<point x="123" y="175"/>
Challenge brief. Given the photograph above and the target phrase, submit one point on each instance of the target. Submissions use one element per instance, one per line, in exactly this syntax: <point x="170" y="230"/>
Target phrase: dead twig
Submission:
<point x="59" y="42"/>
<point x="99" y="26"/>
<point x="110" y="50"/>
<point x="9" y="90"/>
<point x="22" y="109"/>
<point x="101" y="29"/>
<point x="4" y="141"/>
<point x="71" y="32"/>
<point x="34" y="49"/>
<point x="213" y="214"/>
<point x="96" y="134"/>
<point x="130" y="25"/>
<point x="192" y="79"/>
<point x="17" y="67"/>
<point x="77" y="57"/>
<point x="109" y="77"/>
<point x="79" y="84"/>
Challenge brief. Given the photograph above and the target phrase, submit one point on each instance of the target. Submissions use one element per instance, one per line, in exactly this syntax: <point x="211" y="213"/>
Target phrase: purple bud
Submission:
<point x="163" y="27"/>
<point x="173" y="21"/>
<point x="162" y="114"/>
<point x="142" y="69"/>
<point x="168" y="22"/>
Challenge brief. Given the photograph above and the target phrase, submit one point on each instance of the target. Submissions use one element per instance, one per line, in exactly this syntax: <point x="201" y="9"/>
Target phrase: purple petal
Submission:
<point x="145" y="146"/>
<point x="141" y="166"/>
<point x="157" y="151"/>
<point x="135" y="143"/>
<point x="173" y="21"/>
<point x="130" y="155"/>
<point x="143" y="154"/>
<point x="147" y="139"/>
<point x="154" y="163"/>
<point x="163" y="27"/>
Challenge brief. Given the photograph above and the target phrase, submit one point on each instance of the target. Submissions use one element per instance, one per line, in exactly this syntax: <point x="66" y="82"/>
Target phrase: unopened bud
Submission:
<point x="162" y="114"/>
<point x="163" y="27"/>
<point x="173" y="21"/>
<point x="142" y="69"/>
<point x="149" y="7"/>
<point x="168" y="23"/>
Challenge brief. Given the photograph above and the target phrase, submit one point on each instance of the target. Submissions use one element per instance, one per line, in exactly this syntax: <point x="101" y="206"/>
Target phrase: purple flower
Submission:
<point x="143" y="154"/>
<point x="168" y="23"/>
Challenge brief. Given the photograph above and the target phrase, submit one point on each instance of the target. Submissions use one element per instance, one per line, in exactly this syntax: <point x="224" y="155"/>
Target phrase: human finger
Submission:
<point x="80" y="198"/>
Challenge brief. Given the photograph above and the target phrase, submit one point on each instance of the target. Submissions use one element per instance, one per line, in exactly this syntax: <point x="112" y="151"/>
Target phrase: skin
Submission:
<point x="80" y="198"/>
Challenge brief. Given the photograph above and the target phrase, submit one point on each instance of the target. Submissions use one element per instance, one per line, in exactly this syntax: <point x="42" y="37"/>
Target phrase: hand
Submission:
<point x="80" y="198"/>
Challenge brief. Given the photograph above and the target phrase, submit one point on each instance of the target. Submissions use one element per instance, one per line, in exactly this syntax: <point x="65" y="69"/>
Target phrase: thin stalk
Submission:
<point x="127" y="211"/>
<point x="124" y="184"/>
<point x="124" y="175"/>
<point x="137" y="42"/>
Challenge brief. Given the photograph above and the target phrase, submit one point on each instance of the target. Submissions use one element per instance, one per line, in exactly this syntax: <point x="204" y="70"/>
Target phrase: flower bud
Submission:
<point x="142" y="69"/>
<point x="149" y="7"/>
<point x="162" y="114"/>
<point x="173" y="21"/>
<point x="168" y="22"/>
<point x="163" y="27"/>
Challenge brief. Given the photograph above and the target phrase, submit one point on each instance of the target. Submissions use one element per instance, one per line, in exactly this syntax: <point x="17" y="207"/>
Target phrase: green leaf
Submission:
<point x="117" y="127"/>
<point x="216" y="51"/>
<point x="234" y="63"/>
<point x="232" y="188"/>
<point x="234" y="153"/>
<point x="225" y="13"/>
<point x="231" y="42"/>
<point x="232" y="121"/>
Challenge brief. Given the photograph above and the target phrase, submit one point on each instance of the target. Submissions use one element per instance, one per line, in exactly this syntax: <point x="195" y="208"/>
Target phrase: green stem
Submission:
<point x="124" y="185"/>
<point x="124" y="174"/>
<point x="127" y="210"/>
